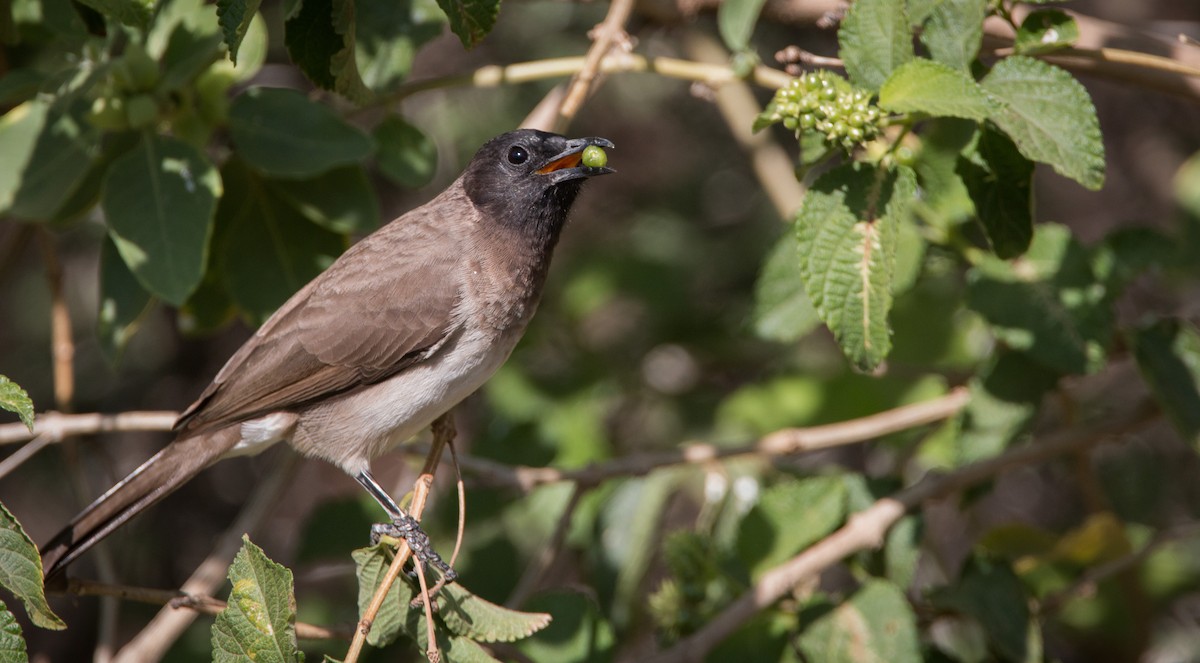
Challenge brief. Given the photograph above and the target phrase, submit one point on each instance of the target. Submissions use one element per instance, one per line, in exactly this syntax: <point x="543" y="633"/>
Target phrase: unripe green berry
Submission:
<point x="141" y="110"/>
<point x="594" y="157"/>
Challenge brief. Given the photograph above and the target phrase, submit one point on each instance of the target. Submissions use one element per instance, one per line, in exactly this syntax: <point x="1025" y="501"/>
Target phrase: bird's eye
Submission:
<point x="517" y="155"/>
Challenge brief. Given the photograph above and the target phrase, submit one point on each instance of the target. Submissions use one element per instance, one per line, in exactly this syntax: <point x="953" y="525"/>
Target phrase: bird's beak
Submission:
<point x="566" y="165"/>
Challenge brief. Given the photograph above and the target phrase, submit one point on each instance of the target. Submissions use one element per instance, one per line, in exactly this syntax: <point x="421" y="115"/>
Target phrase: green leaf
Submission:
<point x="134" y="13"/>
<point x="158" y="200"/>
<point x="259" y="622"/>
<point x="1002" y="190"/>
<point x="471" y="20"/>
<point x="21" y="565"/>
<point x="1045" y="30"/>
<point x="902" y="550"/>
<point x="312" y="41"/>
<point x="341" y="200"/>
<point x="48" y="151"/>
<point x="347" y="80"/>
<point x="874" y="40"/>
<point x="406" y="155"/>
<point x="1168" y="355"/>
<point x="483" y="621"/>
<point x="925" y="86"/>
<point x="848" y="231"/>
<point x="268" y="249"/>
<point x="372" y="564"/>
<point x="14" y="399"/>
<point x="192" y="45"/>
<point x="954" y="32"/>
<point x="1050" y="117"/>
<point x="945" y="200"/>
<point x="282" y="133"/>
<point x="234" y="16"/>
<point x="387" y="36"/>
<point x="123" y="302"/>
<point x="12" y="641"/>
<point x="789" y="517"/>
<point x="1047" y="303"/>
<point x="993" y="595"/>
<point x="735" y="21"/>
<point x="876" y="625"/>
<point x="579" y="631"/>
<point x="782" y="309"/>
<point x="1005" y="397"/>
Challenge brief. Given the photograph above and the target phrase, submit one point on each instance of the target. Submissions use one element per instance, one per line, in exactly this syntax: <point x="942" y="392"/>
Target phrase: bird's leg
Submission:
<point x="404" y="526"/>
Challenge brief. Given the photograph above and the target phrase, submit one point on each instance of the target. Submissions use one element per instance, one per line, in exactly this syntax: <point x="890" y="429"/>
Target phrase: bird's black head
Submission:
<point x="529" y="179"/>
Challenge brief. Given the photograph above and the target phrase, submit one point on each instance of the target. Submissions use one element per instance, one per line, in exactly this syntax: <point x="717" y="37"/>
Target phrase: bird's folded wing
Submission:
<point x="386" y="304"/>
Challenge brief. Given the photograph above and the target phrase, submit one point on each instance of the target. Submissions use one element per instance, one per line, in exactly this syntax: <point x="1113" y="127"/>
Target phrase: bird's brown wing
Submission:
<point x="384" y="305"/>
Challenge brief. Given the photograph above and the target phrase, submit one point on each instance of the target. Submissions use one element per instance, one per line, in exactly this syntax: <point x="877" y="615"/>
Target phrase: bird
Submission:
<point x="403" y="326"/>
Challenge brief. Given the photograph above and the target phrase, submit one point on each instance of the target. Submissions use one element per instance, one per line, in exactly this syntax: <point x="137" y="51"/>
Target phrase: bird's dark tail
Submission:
<point x="158" y="477"/>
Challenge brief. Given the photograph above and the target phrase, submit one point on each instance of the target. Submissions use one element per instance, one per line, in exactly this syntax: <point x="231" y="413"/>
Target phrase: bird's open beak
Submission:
<point x="566" y="165"/>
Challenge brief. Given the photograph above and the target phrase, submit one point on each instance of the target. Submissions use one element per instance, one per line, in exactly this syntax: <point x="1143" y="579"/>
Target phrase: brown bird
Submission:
<point x="403" y="326"/>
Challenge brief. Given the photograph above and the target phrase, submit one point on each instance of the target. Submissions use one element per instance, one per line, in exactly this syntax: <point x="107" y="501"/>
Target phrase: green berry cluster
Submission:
<point x="823" y="102"/>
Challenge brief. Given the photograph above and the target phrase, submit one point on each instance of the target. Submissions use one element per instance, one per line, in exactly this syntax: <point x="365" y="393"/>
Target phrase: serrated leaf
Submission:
<point x="782" y="309"/>
<point x="234" y="17"/>
<point x="735" y="22"/>
<point x="954" y="32"/>
<point x="341" y="200"/>
<point x="14" y="399"/>
<point x="259" y="621"/>
<point x="12" y="641"/>
<point x="123" y="302"/>
<point x="471" y="20"/>
<point x="925" y="86"/>
<point x="348" y="81"/>
<point x="134" y="13"/>
<point x="268" y="249"/>
<point x="284" y="134"/>
<point x="789" y="517"/>
<point x="1168" y="356"/>
<point x="874" y="40"/>
<point x="48" y="151"/>
<point x="372" y="564"/>
<point x="1002" y="191"/>
<point x="876" y="625"/>
<point x="158" y="200"/>
<point x="1045" y="30"/>
<point x="311" y="39"/>
<point x="1050" y="117"/>
<point x="406" y="155"/>
<point x="1046" y="303"/>
<point x="848" y="231"/>
<point x="483" y="621"/>
<point x="944" y="200"/>
<point x="21" y="567"/>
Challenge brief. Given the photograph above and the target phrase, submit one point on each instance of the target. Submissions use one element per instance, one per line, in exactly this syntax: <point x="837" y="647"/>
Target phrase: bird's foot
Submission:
<point x="408" y="528"/>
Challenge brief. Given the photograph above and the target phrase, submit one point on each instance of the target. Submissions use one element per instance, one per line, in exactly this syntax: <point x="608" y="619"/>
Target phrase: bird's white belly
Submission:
<point x="351" y="430"/>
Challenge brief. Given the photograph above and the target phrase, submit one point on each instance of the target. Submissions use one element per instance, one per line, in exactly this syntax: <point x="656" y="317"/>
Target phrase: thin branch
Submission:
<point x="867" y="529"/>
<point x="62" y="345"/>
<point x="443" y="431"/>
<point x="153" y="641"/>
<point x="58" y="426"/>
<point x="537" y="568"/>
<point x="608" y="34"/>
<point x="780" y="443"/>
<point x="201" y="603"/>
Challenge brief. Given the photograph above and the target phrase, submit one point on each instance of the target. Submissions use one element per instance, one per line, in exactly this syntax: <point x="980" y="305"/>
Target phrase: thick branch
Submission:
<point x="867" y="529"/>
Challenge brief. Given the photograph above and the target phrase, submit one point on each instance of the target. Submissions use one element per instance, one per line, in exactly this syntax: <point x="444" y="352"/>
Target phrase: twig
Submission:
<point x="609" y="33"/>
<point x="443" y="430"/>
<point x="538" y="567"/>
<point x="1087" y="582"/>
<point x="152" y="642"/>
<point x="780" y="443"/>
<point x="27" y="451"/>
<point x="58" y="426"/>
<point x="62" y="345"/>
<point x="201" y="603"/>
<point x="867" y="529"/>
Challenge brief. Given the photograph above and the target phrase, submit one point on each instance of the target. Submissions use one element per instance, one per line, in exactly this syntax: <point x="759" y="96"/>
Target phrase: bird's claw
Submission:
<point x="408" y="528"/>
